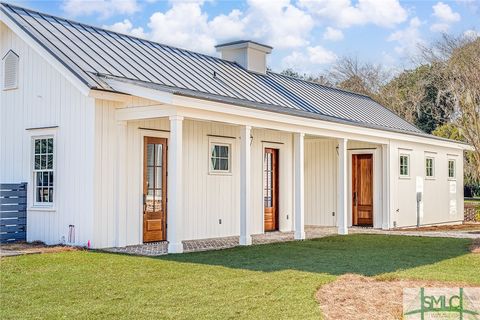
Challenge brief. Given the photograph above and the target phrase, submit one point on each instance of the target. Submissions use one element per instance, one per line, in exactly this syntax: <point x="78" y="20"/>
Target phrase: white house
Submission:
<point x="124" y="141"/>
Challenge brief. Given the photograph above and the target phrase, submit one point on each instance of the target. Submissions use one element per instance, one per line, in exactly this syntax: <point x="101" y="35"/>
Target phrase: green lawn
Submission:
<point x="276" y="281"/>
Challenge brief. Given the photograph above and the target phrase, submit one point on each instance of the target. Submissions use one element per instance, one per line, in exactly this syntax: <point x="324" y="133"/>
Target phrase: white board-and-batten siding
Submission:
<point x="87" y="156"/>
<point x="442" y="196"/>
<point x="210" y="201"/>
<point x="44" y="98"/>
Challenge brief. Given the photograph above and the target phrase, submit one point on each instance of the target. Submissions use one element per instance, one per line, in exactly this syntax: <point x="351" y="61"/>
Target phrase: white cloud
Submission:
<point x="126" y="27"/>
<point x="184" y="25"/>
<point x="385" y="13"/>
<point x="408" y="39"/>
<point x="105" y="8"/>
<point x="445" y="16"/>
<point x="333" y="34"/>
<point x="228" y="26"/>
<point x="471" y="34"/>
<point x="279" y="23"/>
<point x="440" y="27"/>
<point x="309" y="60"/>
<point x="444" y="13"/>
<point x="320" y="55"/>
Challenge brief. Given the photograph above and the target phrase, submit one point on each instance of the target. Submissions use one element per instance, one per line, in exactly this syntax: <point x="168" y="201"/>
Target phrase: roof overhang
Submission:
<point x="276" y="117"/>
<point x="46" y="54"/>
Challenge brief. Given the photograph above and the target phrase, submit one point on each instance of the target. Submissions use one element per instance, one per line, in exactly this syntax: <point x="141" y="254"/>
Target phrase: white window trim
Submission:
<point x="454" y="169"/>
<point x="39" y="134"/>
<point x="214" y="141"/>
<point x="402" y="176"/>
<point x="432" y="177"/>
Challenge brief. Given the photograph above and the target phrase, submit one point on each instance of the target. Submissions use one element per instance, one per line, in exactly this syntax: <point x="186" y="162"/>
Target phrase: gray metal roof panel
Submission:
<point x="90" y="51"/>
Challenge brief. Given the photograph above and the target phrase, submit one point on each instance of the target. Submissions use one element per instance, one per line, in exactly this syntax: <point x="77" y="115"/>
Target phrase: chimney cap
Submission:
<point x="244" y="44"/>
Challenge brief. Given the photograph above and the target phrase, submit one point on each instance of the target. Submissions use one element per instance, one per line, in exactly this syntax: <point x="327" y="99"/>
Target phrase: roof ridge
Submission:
<point x="114" y="32"/>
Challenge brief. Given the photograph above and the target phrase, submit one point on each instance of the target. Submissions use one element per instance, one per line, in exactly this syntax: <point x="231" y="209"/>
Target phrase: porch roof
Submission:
<point x="93" y="54"/>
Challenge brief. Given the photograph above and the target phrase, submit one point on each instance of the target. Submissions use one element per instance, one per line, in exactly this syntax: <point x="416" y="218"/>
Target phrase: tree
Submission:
<point x="320" y="79"/>
<point x="351" y="74"/>
<point x="419" y="97"/>
<point x="456" y="61"/>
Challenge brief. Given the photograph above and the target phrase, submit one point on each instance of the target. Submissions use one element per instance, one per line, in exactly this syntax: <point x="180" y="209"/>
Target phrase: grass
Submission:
<point x="276" y="281"/>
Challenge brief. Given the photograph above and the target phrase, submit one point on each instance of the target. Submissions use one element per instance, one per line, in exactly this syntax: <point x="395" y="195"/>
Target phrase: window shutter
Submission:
<point x="10" y="70"/>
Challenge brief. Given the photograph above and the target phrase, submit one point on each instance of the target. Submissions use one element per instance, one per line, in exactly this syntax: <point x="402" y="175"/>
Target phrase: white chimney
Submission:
<point x="249" y="54"/>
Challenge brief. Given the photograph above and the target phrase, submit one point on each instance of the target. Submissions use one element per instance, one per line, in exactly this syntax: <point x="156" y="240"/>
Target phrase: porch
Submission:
<point x="161" y="248"/>
<point x="241" y="199"/>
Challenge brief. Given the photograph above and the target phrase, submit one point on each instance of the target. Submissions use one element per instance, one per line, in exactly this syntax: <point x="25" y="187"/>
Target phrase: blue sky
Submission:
<point x="307" y="35"/>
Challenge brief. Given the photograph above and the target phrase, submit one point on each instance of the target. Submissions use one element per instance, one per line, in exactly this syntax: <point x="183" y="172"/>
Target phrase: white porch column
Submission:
<point x="121" y="185"/>
<point x="298" y="146"/>
<point x="175" y="186"/>
<point x="342" y="193"/>
<point x="386" y="186"/>
<point x="245" y="186"/>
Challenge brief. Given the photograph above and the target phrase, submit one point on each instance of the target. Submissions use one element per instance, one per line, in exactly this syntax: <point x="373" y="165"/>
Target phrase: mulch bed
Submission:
<point x="355" y="297"/>
<point x="32" y="248"/>
<point x="457" y="227"/>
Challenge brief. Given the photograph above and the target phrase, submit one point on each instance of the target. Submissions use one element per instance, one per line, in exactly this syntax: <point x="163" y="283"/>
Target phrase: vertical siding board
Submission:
<point x="320" y="191"/>
<point x="39" y="101"/>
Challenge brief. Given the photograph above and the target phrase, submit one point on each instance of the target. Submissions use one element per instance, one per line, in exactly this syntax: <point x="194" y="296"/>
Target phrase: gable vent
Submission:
<point x="10" y="70"/>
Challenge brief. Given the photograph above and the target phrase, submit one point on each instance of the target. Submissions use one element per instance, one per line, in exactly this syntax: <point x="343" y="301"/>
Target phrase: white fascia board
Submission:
<point x="309" y="126"/>
<point x="239" y="115"/>
<point x="107" y="95"/>
<point x="139" y="91"/>
<point x="145" y="112"/>
<point x="81" y="86"/>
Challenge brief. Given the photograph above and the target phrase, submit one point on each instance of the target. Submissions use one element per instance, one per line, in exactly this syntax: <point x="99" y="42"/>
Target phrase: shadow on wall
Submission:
<point x="368" y="255"/>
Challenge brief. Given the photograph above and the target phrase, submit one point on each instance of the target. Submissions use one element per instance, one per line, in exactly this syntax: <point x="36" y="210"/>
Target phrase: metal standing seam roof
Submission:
<point x="94" y="54"/>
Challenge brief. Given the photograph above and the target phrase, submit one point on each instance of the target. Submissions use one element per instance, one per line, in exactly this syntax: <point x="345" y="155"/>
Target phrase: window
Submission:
<point x="429" y="167"/>
<point x="220" y="158"/>
<point x="10" y="71"/>
<point x="43" y="170"/>
<point x="451" y="168"/>
<point x="404" y="165"/>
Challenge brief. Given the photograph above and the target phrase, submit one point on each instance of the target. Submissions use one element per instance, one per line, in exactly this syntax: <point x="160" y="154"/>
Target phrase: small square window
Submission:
<point x="404" y="165"/>
<point x="220" y="157"/>
<point x="451" y="169"/>
<point x="429" y="167"/>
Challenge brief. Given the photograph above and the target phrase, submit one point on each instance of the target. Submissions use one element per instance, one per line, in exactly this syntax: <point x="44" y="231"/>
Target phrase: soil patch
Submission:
<point x="457" y="227"/>
<point x="353" y="297"/>
<point x="19" y="248"/>
<point x="475" y="247"/>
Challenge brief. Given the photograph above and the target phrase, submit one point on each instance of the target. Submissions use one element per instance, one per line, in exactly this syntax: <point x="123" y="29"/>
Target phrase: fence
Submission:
<point x="13" y="212"/>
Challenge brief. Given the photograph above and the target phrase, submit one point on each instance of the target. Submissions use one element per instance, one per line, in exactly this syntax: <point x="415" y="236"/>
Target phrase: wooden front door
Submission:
<point x="362" y="189"/>
<point x="270" y="189"/>
<point x="154" y="189"/>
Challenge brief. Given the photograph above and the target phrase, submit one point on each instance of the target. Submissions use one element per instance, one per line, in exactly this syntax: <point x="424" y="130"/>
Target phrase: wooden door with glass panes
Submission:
<point x="155" y="189"/>
<point x="270" y="189"/>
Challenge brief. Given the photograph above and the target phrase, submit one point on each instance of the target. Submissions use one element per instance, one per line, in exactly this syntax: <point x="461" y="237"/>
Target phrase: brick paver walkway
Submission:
<point x="161" y="248"/>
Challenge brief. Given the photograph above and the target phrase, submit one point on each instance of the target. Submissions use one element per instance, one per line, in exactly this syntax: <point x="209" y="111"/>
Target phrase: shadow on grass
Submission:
<point x="368" y="255"/>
